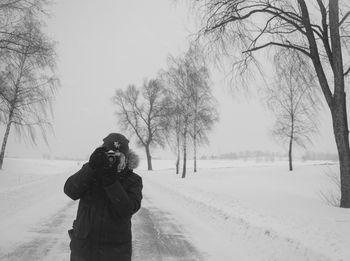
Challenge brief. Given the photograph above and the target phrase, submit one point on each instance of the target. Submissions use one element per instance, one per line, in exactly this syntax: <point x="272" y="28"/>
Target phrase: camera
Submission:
<point x="113" y="158"/>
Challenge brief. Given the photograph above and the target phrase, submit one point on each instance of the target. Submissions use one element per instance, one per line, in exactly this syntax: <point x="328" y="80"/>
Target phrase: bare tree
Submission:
<point x="174" y="122"/>
<point x="142" y="112"/>
<point x="203" y="102"/>
<point x="293" y="99"/>
<point x="13" y="14"/>
<point x="193" y="110"/>
<point x="317" y="29"/>
<point x="179" y="81"/>
<point x="28" y="82"/>
<point x="206" y="115"/>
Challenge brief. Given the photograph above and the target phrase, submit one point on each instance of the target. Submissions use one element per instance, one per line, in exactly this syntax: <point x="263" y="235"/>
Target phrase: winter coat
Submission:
<point x="102" y="228"/>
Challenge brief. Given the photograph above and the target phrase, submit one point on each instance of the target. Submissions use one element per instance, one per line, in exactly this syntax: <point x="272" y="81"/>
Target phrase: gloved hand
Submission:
<point x="98" y="159"/>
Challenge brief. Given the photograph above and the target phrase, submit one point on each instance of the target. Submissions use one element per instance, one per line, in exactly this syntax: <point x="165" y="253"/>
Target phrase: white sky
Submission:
<point x="105" y="45"/>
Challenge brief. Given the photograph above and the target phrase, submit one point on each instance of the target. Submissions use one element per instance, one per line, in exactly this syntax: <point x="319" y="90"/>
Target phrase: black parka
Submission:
<point x="102" y="228"/>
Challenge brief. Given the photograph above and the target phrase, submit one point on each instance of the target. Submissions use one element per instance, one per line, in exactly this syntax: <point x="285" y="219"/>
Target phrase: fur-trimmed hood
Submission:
<point x="133" y="159"/>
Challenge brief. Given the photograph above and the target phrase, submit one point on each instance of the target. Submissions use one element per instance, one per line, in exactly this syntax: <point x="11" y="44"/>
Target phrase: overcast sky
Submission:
<point x="105" y="45"/>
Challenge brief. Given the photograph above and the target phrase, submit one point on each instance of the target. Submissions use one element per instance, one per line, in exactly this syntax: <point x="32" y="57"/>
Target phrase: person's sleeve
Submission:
<point x="77" y="184"/>
<point x="125" y="202"/>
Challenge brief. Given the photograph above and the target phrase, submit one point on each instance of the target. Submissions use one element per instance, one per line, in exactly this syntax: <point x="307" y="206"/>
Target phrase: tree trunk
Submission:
<point x="185" y="153"/>
<point x="8" y="126"/>
<point x="177" y="165"/>
<point x="178" y="154"/>
<point x="338" y="106"/>
<point x="337" y="101"/>
<point x="184" y="164"/>
<point x="290" y="153"/>
<point x="4" y="142"/>
<point x="195" y="153"/>
<point x="341" y="133"/>
<point x="149" y="158"/>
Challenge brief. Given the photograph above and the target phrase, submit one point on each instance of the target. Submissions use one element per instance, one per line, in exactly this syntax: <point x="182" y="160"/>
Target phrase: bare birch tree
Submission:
<point x="294" y="101"/>
<point x="203" y="102"/>
<point x="318" y="29"/>
<point x="194" y="112"/>
<point x="28" y="82"/>
<point x="174" y="121"/>
<point x="178" y="80"/>
<point x="142" y="112"/>
<point x="13" y="14"/>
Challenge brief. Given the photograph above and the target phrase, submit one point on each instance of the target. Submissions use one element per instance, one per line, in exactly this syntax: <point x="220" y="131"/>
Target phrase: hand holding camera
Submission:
<point x="103" y="159"/>
<point x="108" y="163"/>
<point x="98" y="159"/>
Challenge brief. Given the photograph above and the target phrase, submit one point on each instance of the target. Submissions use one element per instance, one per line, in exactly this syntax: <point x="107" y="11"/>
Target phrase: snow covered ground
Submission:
<point x="229" y="210"/>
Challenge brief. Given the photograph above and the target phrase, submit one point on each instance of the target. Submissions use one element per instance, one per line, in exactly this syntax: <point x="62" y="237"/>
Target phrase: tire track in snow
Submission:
<point x="50" y="241"/>
<point x="157" y="237"/>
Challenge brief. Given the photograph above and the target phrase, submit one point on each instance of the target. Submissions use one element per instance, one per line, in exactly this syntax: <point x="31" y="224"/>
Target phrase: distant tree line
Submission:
<point x="27" y="70"/>
<point x="320" y="156"/>
<point x="259" y="155"/>
<point x="175" y="109"/>
<point x="248" y="155"/>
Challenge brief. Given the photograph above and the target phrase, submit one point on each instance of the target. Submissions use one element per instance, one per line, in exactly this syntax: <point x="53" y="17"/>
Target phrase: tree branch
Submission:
<point x="347" y="71"/>
<point x="324" y="35"/>
<point x="315" y="57"/>
<point x="344" y="18"/>
<point x="278" y="44"/>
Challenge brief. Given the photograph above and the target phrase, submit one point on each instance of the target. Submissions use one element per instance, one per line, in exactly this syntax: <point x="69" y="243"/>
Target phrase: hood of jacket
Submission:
<point x="133" y="160"/>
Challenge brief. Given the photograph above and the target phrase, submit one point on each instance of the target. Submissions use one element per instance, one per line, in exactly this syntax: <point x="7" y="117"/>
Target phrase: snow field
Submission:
<point x="266" y="211"/>
<point x="31" y="191"/>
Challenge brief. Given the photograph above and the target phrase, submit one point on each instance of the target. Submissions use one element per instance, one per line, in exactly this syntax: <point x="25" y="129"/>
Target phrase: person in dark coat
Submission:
<point x="110" y="193"/>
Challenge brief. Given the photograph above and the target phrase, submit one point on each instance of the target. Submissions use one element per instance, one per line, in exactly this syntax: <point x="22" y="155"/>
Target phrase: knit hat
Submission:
<point x="116" y="142"/>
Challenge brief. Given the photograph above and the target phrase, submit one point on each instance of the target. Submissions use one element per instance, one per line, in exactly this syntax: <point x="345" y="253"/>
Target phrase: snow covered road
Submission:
<point x="156" y="238"/>
<point x="36" y="215"/>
